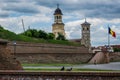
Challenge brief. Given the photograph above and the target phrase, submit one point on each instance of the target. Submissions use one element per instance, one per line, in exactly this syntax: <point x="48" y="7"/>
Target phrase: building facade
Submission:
<point x="58" y="25"/>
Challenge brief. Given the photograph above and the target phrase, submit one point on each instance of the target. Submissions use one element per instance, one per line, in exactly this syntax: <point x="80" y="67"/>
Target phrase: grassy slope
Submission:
<point x="5" y="34"/>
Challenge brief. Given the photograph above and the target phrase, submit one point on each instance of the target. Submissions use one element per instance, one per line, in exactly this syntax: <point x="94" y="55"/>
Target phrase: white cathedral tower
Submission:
<point x="58" y="25"/>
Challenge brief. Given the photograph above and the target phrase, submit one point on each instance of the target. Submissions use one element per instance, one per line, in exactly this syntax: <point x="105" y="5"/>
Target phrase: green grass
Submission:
<point x="50" y="64"/>
<point x="11" y="36"/>
<point x="57" y="69"/>
<point x="77" y="70"/>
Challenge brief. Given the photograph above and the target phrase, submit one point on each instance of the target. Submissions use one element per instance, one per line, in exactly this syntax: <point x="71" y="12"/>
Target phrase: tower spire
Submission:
<point x="57" y="5"/>
<point x="85" y="19"/>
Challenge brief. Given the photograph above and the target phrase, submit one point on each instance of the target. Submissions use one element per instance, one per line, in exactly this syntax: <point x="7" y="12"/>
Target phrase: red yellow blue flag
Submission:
<point x="110" y="31"/>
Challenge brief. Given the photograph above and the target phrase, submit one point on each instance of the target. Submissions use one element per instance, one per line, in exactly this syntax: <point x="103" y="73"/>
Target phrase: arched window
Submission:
<point x="57" y="17"/>
<point x="87" y="28"/>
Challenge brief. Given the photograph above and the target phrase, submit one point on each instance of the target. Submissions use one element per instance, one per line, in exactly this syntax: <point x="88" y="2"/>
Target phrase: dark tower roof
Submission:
<point x="58" y="10"/>
<point x="85" y="23"/>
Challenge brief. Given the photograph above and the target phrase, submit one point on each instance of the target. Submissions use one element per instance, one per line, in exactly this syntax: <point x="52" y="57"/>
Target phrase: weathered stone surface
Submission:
<point x="53" y="53"/>
<point x="115" y="56"/>
<point x="54" y="58"/>
<point x="7" y="59"/>
<point x="24" y="47"/>
<point x="50" y="53"/>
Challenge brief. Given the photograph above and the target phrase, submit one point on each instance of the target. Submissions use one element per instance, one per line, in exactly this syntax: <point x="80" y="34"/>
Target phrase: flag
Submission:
<point x="111" y="32"/>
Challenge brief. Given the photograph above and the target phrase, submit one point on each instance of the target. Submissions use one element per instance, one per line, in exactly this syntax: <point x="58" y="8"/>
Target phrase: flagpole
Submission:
<point x="108" y="38"/>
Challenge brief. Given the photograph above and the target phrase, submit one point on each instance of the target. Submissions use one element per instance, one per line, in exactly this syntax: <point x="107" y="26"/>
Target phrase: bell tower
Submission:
<point x="86" y="34"/>
<point x="58" y="25"/>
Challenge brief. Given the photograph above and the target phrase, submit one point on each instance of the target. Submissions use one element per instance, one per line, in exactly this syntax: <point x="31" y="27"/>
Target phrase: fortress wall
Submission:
<point x="49" y="53"/>
<point x="99" y="57"/>
<point x="7" y="60"/>
<point x="45" y="48"/>
<point x="54" y="57"/>
<point x="114" y="57"/>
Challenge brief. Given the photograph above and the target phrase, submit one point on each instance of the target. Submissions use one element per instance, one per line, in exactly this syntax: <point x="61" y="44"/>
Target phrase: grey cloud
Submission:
<point x="2" y="15"/>
<point x="96" y="8"/>
<point x="21" y="8"/>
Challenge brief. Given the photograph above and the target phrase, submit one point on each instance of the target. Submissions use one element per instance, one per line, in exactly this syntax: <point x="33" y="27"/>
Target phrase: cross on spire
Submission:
<point x="85" y="19"/>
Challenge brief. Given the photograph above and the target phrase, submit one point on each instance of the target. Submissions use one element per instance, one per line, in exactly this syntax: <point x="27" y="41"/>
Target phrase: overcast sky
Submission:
<point x="38" y="14"/>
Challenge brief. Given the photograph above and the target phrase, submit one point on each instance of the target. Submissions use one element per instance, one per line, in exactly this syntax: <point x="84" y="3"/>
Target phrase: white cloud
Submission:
<point x="15" y="24"/>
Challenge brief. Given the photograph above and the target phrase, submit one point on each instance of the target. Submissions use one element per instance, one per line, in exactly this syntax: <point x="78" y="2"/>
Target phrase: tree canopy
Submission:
<point x="60" y="37"/>
<point x="38" y="34"/>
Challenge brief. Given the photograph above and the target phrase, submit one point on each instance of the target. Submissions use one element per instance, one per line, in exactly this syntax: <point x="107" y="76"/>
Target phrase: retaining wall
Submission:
<point x="54" y="57"/>
<point x="22" y="47"/>
<point x="49" y="53"/>
<point x="115" y="57"/>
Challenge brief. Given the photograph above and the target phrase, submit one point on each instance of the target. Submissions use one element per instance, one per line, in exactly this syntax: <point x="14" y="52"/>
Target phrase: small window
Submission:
<point x="57" y="17"/>
<point x="87" y="28"/>
<point x="83" y="28"/>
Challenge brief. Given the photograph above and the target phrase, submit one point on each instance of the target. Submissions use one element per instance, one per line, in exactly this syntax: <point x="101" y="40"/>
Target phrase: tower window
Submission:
<point x="57" y="17"/>
<point x="83" y="28"/>
<point x="87" y="28"/>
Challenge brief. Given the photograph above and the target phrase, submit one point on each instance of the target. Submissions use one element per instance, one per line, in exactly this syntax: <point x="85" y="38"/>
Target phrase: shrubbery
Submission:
<point x="116" y="49"/>
<point x="38" y="34"/>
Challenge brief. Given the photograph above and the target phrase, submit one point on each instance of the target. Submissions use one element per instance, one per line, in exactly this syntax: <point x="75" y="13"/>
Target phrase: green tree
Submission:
<point x="38" y="34"/>
<point x="34" y="33"/>
<point x="51" y="36"/>
<point x="60" y="37"/>
<point x="31" y="33"/>
<point x="28" y="33"/>
<point x="43" y="34"/>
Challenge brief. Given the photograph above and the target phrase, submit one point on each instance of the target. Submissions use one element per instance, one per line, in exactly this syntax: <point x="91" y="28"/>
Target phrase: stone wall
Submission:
<point x="54" y="57"/>
<point x="53" y="53"/>
<point x="98" y="58"/>
<point x="7" y="59"/>
<point x="115" y="57"/>
<point x="22" y="47"/>
<point x="49" y="53"/>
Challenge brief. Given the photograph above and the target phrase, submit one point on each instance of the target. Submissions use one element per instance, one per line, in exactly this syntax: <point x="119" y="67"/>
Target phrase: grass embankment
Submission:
<point x="11" y="36"/>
